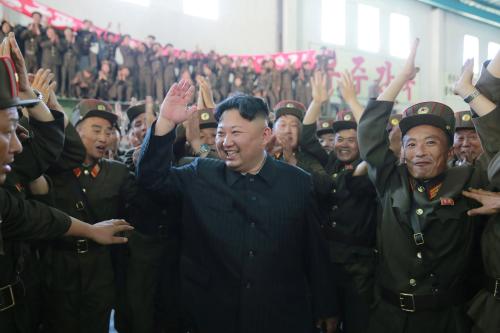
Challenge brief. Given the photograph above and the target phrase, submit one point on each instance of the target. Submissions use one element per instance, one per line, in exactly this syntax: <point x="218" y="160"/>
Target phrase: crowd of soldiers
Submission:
<point x="246" y="219"/>
<point x="113" y="67"/>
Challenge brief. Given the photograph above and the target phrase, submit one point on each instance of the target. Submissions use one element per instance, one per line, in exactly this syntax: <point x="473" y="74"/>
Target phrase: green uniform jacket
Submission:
<point x="441" y="263"/>
<point x="485" y="308"/>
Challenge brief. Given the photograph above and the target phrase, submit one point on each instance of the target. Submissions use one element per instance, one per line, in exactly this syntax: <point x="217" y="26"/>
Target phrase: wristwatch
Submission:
<point x="204" y="149"/>
<point x="38" y="94"/>
<point x="472" y="95"/>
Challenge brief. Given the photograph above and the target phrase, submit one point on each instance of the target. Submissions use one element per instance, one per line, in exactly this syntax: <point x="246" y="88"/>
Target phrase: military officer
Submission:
<point x="24" y="220"/>
<point x="70" y="63"/>
<point x="52" y="50"/>
<point x="466" y="143"/>
<point x="286" y="134"/>
<point x="349" y="200"/>
<point x="425" y="238"/>
<point x="80" y="279"/>
<point x="485" y="305"/>
<point x="324" y="132"/>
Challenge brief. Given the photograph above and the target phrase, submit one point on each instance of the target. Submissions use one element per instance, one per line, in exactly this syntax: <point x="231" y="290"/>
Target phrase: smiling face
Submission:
<point x="139" y="127"/>
<point x="287" y="130"/>
<point x="95" y="133"/>
<point x="241" y="143"/>
<point x="327" y="141"/>
<point x="346" y="145"/>
<point x="467" y="145"/>
<point x="9" y="142"/>
<point x="207" y="136"/>
<point x="426" y="151"/>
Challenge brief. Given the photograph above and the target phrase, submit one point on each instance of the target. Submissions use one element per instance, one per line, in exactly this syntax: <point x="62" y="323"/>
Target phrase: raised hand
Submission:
<point x="43" y="83"/>
<point x="408" y="72"/>
<point x="347" y="88"/>
<point x="463" y="86"/>
<point x="320" y="93"/>
<point x="206" y="93"/>
<point x="175" y="105"/>
<point x="409" y="69"/>
<point x="12" y="50"/>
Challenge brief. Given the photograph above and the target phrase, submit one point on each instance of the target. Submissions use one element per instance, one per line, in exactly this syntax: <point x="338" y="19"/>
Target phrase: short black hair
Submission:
<point x="35" y="12"/>
<point x="248" y="106"/>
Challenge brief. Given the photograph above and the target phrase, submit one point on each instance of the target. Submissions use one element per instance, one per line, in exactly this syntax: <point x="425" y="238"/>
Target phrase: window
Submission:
<point x="144" y="3"/>
<point x="493" y="49"/>
<point x="368" y="28"/>
<point x="208" y="9"/>
<point x="333" y="14"/>
<point x="471" y="50"/>
<point x="399" y="35"/>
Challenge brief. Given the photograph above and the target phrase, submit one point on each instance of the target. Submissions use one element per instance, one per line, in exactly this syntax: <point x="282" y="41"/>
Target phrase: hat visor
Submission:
<point x="208" y="125"/>
<point x="344" y="125"/>
<point x="322" y="131"/>
<point x="410" y="122"/>
<point x="111" y="117"/>
<point x="285" y="111"/>
<point x="18" y="102"/>
<point x="464" y="128"/>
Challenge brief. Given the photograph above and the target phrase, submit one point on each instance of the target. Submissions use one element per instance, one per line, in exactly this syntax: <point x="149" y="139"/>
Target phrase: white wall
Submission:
<point x="243" y="26"/>
<point x="440" y="52"/>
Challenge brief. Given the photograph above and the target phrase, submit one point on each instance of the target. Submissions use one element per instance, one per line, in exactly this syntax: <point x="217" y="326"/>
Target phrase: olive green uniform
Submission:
<point x="485" y="306"/>
<point x="424" y="245"/>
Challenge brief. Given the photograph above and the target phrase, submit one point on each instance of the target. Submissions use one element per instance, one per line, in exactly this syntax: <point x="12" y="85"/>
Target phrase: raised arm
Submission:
<point x="348" y="93"/>
<point x="465" y="89"/>
<point x="372" y="137"/>
<point x="488" y="124"/>
<point x="308" y="140"/>
<point x="320" y="95"/>
<point x="156" y="157"/>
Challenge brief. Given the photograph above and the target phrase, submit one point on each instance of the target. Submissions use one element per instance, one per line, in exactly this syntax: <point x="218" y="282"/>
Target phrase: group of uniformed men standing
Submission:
<point x="393" y="226"/>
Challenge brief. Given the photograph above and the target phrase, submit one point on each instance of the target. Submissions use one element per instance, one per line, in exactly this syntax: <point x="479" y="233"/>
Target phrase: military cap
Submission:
<point x="135" y="111"/>
<point x="93" y="108"/>
<point x="324" y="126"/>
<point x="394" y="120"/>
<point x="429" y="113"/>
<point x="463" y="120"/>
<point x="293" y="108"/>
<point x="344" y="120"/>
<point x="9" y="91"/>
<point x="207" y="119"/>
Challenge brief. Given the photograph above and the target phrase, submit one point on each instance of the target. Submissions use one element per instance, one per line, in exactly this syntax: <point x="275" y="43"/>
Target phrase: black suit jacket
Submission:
<point x="252" y="257"/>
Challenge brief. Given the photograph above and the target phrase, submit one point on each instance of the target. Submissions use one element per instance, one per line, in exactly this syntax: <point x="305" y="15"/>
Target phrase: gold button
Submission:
<point x="335" y="175"/>
<point x="421" y="189"/>
<point x="84" y="190"/>
<point x="413" y="282"/>
<point x="86" y="172"/>
<point x="334" y="191"/>
<point x="419" y="255"/>
<point x="419" y="211"/>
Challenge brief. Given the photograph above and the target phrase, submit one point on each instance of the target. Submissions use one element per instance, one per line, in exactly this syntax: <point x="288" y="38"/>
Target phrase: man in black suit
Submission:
<point x="252" y="258"/>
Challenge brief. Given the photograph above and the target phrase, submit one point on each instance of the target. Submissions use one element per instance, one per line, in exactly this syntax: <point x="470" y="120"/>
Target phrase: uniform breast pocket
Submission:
<point x="457" y="211"/>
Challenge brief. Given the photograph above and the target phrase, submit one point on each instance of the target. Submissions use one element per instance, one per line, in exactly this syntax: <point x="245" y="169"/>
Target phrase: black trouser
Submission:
<point x="354" y="308"/>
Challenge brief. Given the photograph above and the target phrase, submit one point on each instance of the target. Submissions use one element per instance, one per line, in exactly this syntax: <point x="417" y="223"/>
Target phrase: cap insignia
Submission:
<point x="423" y="110"/>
